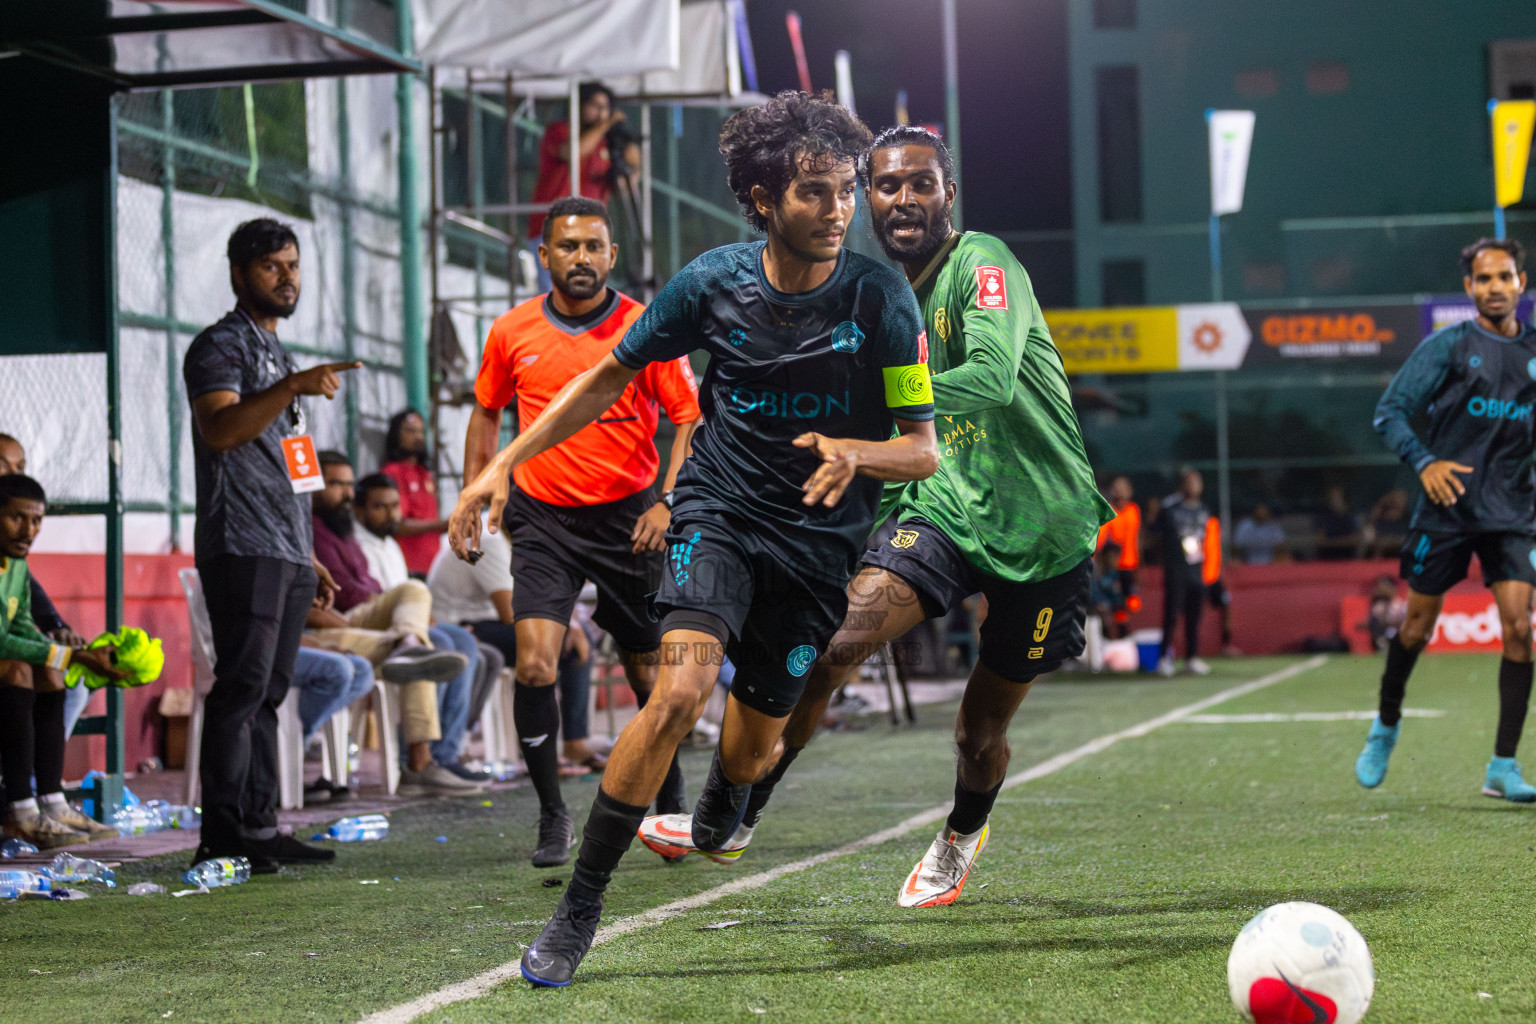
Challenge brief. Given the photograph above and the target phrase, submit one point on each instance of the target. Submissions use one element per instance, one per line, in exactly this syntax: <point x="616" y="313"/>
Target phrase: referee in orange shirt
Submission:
<point x="587" y="509"/>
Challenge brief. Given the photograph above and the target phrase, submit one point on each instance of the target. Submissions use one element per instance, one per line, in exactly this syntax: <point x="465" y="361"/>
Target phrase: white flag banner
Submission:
<point x="1231" y="137"/>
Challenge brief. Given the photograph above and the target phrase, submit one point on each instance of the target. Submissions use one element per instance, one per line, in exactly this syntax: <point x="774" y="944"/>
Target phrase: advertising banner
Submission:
<point x="1212" y="336"/>
<point x="1139" y="339"/>
<point x="1512" y="124"/>
<point x="1362" y="336"/>
<point x="1467" y="622"/>
<point x="1444" y="310"/>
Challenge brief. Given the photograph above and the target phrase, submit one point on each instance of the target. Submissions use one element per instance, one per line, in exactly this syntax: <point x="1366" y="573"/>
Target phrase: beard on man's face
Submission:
<point x="936" y="229"/>
<point x="338" y="517"/>
<point x="267" y="305"/>
<point x="581" y="283"/>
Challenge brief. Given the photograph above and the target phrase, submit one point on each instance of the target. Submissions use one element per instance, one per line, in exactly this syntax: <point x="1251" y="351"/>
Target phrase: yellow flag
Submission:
<point x="1512" y="123"/>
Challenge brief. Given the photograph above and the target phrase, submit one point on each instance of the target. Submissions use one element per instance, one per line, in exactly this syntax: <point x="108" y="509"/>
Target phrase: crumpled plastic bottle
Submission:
<point x="210" y="874"/>
<point x="66" y="867"/>
<point x="145" y="889"/>
<point x="15" y="882"/>
<point x="12" y="848"/>
<point x="360" y="828"/>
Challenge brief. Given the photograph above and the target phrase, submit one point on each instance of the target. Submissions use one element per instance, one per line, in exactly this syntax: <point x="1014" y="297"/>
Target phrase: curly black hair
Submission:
<point x="1514" y="249"/>
<point x="912" y="135"/>
<point x="768" y="144"/>
<point x="256" y="238"/>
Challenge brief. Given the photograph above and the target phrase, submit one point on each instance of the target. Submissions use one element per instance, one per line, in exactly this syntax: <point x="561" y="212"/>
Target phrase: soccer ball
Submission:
<point x="1300" y="963"/>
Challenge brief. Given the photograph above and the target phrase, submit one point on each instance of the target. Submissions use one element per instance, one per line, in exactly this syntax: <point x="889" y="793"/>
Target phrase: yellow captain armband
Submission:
<point x="907" y="385"/>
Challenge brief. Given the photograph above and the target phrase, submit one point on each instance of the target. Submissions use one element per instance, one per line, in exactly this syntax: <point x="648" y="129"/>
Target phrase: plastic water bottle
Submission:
<point x="219" y="871"/>
<point x="15" y="848"/>
<point x="145" y="889"/>
<point x="13" y="883"/>
<point x="181" y="816"/>
<point x="137" y="821"/>
<point x="359" y="829"/>
<point x="66" y="867"/>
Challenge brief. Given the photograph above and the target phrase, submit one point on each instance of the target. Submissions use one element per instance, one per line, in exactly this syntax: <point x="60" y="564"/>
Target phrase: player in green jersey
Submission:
<point x="1012" y="511"/>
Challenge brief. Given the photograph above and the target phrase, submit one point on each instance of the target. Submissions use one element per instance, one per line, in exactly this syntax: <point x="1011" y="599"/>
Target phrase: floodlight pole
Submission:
<point x="413" y="331"/>
<point x="952" y="98"/>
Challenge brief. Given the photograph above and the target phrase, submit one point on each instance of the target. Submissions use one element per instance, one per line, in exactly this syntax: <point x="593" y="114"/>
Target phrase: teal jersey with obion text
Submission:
<point x="1014" y="490"/>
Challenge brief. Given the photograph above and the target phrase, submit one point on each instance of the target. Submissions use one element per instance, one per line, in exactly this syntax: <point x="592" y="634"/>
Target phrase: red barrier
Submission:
<point x="153" y="601"/>
<point x="1469" y="621"/>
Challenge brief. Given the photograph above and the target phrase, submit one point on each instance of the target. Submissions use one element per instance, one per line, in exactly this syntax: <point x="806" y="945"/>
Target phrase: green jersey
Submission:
<point x="20" y="639"/>
<point x="1014" y="490"/>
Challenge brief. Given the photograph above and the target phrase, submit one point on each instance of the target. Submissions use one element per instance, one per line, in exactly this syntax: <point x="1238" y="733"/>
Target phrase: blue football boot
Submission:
<point x="1504" y="781"/>
<point x="1371" y="765"/>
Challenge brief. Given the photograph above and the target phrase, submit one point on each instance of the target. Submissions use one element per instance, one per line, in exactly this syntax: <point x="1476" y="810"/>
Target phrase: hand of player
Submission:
<point x="650" y="529"/>
<point x="320" y="380"/>
<point x="100" y="660"/>
<point x="490" y="488"/>
<point x="68" y="637"/>
<point x="839" y="465"/>
<point x="1441" y="482"/>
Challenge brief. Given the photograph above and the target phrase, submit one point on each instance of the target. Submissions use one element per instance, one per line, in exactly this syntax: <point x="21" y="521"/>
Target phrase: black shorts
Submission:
<point x="779" y="620"/>
<point x="556" y="549"/>
<point x="1433" y="563"/>
<point x="1031" y="628"/>
<point x="1218" y="595"/>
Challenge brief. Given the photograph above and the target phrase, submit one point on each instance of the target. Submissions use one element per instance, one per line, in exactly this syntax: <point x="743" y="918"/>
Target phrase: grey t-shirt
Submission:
<point x="245" y="503"/>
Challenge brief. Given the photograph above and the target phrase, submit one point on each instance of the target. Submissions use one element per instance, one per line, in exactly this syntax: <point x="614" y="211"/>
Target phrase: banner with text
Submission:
<point x="1367" y="337"/>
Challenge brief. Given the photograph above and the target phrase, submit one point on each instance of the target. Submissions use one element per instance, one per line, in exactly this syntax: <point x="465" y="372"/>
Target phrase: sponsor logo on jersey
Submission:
<point x="991" y="288"/>
<point x="528" y="360"/>
<point x="737" y="337"/>
<point x="846" y="337"/>
<point x="941" y="324"/>
<point x="680" y="555"/>
<point x="922" y="346"/>
<point x="800" y="660"/>
<point x="1498" y="409"/>
<point x="10" y="608"/>
<point x="1475" y="362"/>
<point x="904" y="539"/>
<point x="1530" y="368"/>
<point x="800" y="405"/>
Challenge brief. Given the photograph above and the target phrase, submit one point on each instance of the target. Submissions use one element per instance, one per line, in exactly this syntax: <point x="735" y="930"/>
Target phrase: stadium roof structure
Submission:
<point x="138" y="44"/>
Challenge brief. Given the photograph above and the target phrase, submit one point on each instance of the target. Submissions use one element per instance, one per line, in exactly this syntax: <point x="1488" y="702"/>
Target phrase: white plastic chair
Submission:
<point x="290" y="731"/>
<point x="495" y="745"/>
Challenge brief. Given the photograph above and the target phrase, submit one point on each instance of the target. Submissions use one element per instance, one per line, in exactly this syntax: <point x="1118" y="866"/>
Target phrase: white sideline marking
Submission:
<point x="480" y="984"/>
<point x="1304" y="716"/>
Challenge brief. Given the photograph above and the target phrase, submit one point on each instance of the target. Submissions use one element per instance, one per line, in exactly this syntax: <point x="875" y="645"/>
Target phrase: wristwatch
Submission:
<point x="667" y="499"/>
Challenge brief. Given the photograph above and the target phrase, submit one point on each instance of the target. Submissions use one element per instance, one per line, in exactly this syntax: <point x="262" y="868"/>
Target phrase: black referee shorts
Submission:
<point x="556" y="549"/>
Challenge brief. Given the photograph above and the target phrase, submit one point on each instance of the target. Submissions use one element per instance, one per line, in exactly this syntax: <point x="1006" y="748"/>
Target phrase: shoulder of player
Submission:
<point x="723" y="263"/>
<point x="978" y="249"/>
<point x="860" y="271"/>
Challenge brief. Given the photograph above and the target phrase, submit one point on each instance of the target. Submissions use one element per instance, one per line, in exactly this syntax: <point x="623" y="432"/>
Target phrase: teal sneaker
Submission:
<point x="1371" y="765"/>
<point x="1504" y="781"/>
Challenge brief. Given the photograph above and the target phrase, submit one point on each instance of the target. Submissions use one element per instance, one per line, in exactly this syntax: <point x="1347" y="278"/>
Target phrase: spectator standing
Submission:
<point x="377" y="508"/>
<point x="13" y="459"/>
<point x="410" y="466"/>
<point x="1120" y="546"/>
<point x="599" y="116"/>
<point x="254" y="550"/>
<point x="32" y="687"/>
<point x="1258" y="537"/>
<point x="1189" y="534"/>
<point x="1338" y="531"/>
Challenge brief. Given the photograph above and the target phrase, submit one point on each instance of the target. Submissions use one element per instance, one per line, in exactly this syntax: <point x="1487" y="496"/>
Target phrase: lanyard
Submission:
<point x="295" y="413"/>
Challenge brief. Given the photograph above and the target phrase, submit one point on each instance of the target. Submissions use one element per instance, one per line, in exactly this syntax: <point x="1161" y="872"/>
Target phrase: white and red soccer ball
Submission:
<point x="1300" y="963"/>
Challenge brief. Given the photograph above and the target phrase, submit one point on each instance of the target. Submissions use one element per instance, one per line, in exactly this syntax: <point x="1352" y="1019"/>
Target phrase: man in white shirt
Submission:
<point x="479" y="597"/>
<point x="377" y="508"/>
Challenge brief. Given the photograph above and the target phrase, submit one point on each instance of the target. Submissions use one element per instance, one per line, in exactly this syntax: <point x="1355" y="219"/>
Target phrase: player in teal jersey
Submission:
<point x="1012" y="511"/>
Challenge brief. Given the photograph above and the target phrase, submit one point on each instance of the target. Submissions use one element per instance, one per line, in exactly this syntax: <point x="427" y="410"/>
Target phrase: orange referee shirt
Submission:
<point x="1125" y="531"/>
<point x="530" y="356"/>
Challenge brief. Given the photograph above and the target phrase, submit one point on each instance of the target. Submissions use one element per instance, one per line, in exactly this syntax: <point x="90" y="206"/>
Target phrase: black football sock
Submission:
<point x="536" y="717"/>
<point x="48" y="741"/>
<point x="1394" y="680"/>
<point x="1514" y="701"/>
<point x="673" y="796"/>
<point x="720" y="808"/>
<point x="16" y="743"/>
<point x="610" y="828"/>
<point x="761" y="791"/>
<point x="971" y="809"/>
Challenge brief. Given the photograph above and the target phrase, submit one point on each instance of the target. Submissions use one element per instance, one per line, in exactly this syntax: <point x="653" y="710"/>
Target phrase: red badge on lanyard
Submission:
<point x="303" y="466"/>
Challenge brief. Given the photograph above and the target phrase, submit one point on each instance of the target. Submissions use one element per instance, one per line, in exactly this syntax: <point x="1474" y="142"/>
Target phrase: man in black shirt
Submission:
<point x="1476" y="381"/>
<point x="816" y="359"/>
<point x="1184" y="524"/>
<point x="255" y="466"/>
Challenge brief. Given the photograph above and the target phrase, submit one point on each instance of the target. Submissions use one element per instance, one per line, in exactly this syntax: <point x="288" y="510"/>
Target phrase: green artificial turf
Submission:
<point x="1109" y="891"/>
